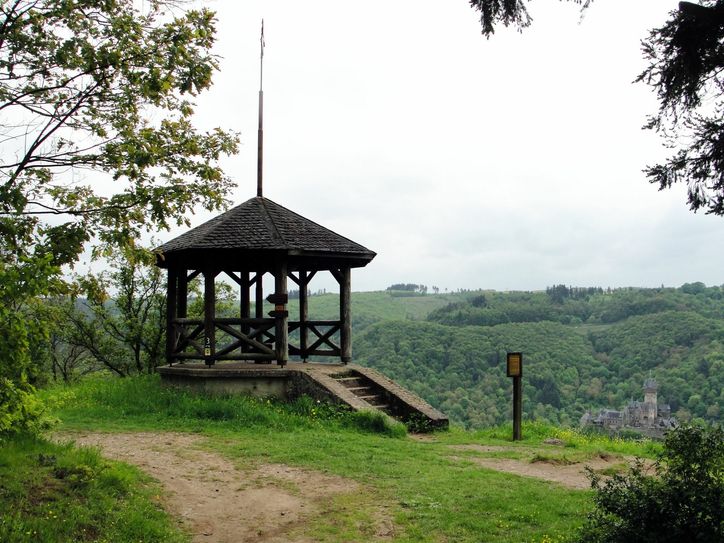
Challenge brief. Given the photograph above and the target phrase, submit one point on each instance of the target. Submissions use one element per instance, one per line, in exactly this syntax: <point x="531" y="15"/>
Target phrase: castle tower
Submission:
<point x="650" y="400"/>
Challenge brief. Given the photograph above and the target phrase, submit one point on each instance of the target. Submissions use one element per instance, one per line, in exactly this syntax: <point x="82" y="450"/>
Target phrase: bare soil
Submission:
<point x="571" y="474"/>
<point x="216" y="501"/>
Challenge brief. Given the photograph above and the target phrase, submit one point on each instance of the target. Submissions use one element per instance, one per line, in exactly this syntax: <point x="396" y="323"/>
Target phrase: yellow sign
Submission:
<point x="515" y="364"/>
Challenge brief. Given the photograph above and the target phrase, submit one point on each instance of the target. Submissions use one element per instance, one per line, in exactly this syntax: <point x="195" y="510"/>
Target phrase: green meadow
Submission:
<point x="433" y="488"/>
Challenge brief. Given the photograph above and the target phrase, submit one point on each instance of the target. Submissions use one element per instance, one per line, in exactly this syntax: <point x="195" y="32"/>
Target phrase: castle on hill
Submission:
<point x="648" y="417"/>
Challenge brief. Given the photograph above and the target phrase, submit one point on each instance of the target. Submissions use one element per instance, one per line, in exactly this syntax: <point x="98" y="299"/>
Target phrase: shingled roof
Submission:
<point x="261" y="225"/>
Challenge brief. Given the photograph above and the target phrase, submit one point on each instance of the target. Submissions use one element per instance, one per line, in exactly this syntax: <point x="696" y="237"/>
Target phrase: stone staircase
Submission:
<point x="366" y="390"/>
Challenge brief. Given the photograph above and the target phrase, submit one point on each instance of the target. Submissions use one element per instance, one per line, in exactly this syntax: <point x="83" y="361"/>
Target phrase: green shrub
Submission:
<point x="681" y="501"/>
<point x="20" y="409"/>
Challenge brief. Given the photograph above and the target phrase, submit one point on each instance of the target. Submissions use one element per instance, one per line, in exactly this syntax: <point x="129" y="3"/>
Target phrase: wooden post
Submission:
<point x="171" y="315"/>
<point x="209" y="316"/>
<point x="244" y="304"/>
<point x="182" y="294"/>
<point x="514" y="369"/>
<point x="517" y="407"/>
<point x="345" y="314"/>
<point x="259" y="301"/>
<point x="303" y="314"/>
<point x="281" y="332"/>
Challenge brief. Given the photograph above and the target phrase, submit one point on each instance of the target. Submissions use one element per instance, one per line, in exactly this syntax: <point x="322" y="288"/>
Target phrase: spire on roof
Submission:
<point x="260" y="133"/>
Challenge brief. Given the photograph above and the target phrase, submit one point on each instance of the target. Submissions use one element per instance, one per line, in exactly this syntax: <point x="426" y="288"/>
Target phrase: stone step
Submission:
<point x="350" y="382"/>
<point x="359" y="389"/>
<point x="374" y="401"/>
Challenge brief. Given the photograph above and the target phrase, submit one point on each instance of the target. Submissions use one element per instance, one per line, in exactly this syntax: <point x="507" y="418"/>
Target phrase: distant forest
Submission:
<point x="584" y="348"/>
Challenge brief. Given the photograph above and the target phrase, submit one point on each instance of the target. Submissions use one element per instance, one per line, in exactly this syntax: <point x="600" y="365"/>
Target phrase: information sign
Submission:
<point x="515" y="364"/>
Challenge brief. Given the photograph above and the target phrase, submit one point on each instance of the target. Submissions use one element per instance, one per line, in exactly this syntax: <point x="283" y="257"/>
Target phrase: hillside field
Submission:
<point x="398" y="488"/>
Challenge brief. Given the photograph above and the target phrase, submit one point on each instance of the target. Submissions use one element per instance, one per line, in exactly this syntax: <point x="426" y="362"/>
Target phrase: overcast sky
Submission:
<point x="511" y="164"/>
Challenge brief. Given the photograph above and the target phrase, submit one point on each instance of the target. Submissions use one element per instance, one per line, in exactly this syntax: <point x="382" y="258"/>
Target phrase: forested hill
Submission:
<point x="584" y="348"/>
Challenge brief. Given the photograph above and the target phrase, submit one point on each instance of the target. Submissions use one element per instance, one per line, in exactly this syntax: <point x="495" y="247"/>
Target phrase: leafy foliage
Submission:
<point x="508" y="13"/>
<point x="124" y="332"/>
<point x="102" y="87"/>
<point x="683" y="502"/>
<point x="686" y="57"/>
<point x="82" y="85"/>
<point x="20" y="326"/>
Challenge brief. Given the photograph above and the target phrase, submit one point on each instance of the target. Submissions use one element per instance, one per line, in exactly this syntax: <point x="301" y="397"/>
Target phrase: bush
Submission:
<point x="680" y="502"/>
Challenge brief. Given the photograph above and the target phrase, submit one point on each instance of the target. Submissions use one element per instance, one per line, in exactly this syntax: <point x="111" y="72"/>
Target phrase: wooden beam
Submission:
<point x="246" y="356"/>
<point x="233" y="276"/>
<point x="244" y="303"/>
<point x="324" y="338"/>
<point x="345" y="314"/>
<point x="303" y="314"/>
<point x="182" y="295"/>
<point x="187" y="339"/>
<point x="243" y="339"/>
<point x="259" y="301"/>
<point x="209" y="315"/>
<point x="281" y="335"/>
<point x="171" y="314"/>
<point x="337" y="274"/>
<point x="193" y="275"/>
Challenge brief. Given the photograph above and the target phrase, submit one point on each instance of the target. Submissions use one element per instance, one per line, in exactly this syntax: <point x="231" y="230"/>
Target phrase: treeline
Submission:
<point x="585" y="348"/>
<point x="576" y="306"/>
<point x="410" y="289"/>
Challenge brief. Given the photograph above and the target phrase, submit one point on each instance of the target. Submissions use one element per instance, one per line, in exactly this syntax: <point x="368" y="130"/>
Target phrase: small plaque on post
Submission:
<point x="515" y="364"/>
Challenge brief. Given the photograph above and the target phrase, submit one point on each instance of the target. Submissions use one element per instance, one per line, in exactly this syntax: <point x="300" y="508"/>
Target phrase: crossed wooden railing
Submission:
<point x="253" y="339"/>
<point x="322" y="343"/>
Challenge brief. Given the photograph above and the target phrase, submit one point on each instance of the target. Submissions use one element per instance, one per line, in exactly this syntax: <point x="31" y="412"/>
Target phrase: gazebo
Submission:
<point x="245" y="243"/>
<point x="257" y="238"/>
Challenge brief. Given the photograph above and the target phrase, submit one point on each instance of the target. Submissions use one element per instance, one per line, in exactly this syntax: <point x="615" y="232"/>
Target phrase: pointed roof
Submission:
<point x="260" y="225"/>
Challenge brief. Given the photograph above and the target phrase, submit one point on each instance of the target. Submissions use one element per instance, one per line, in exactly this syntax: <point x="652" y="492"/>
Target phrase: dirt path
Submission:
<point x="570" y="475"/>
<point x="217" y="502"/>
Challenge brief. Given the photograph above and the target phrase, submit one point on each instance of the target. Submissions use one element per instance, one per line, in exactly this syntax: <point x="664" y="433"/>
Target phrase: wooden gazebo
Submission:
<point x="245" y="243"/>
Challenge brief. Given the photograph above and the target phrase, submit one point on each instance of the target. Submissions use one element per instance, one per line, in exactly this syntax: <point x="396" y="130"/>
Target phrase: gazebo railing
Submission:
<point x="253" y="339"/>
<point x="321" y="343"/>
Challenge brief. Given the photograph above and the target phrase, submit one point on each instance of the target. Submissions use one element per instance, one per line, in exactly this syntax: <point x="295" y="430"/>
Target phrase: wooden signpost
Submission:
<point x="514" y="369"/>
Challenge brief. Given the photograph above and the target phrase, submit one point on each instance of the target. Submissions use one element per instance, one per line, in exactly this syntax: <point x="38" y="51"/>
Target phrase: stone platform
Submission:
<point x="352" y="385"/>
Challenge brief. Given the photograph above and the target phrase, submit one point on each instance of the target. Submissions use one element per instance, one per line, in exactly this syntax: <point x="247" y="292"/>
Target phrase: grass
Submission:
<point x="576" y="443"/>
<point x="428" y="495"/>
<point x="141" y="403"/>
<point x="53" y="493"/>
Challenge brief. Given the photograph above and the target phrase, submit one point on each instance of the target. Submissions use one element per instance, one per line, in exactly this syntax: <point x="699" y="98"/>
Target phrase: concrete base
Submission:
<point x="319" y="381"/>
<point x="260" y="380"/>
